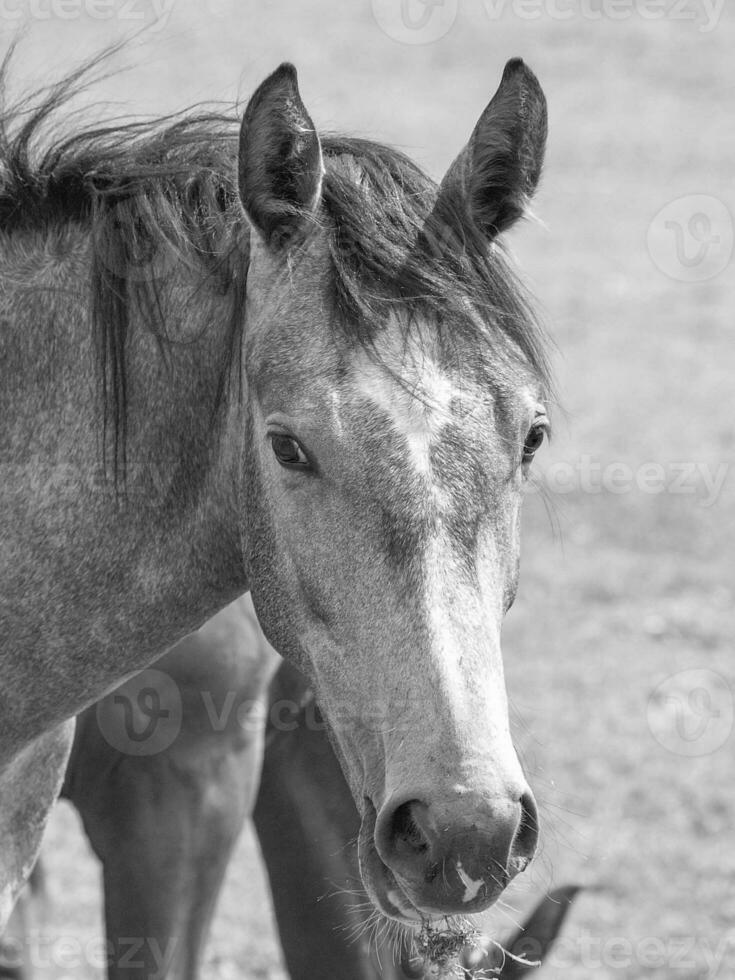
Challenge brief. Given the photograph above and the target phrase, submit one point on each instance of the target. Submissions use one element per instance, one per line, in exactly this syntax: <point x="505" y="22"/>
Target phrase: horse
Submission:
<point x="162" y="804"/>
<point x="238" y="356"/>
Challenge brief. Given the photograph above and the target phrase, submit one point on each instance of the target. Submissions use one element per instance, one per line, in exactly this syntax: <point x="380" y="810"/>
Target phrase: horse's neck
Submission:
<point x="119" y="575"/>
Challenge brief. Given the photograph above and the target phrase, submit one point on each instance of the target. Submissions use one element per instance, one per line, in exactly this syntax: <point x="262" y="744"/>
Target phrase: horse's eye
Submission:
<point x="534" y="440"/>
<point x="287" y="451"/>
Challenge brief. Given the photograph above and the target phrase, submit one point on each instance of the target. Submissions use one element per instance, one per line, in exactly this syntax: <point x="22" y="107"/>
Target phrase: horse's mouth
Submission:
<point x="383" y="889"/>
<point x="428" y="937"/>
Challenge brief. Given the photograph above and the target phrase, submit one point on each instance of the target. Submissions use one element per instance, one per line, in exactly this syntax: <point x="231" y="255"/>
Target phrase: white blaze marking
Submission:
<point x="471" y="887"/>
<point x="418" y="410"/>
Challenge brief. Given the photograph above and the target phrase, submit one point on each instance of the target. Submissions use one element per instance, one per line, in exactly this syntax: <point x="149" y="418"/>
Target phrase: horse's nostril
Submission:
<point x="526" y="837"/>
<point x="406" y="830"/>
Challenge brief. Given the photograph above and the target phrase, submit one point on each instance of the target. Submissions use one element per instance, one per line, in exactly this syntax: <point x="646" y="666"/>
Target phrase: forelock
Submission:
<point x="395" y="252"/>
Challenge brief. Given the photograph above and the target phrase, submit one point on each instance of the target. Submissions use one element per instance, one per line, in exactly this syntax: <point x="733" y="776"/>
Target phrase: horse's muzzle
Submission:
<point x="456" y="857"/>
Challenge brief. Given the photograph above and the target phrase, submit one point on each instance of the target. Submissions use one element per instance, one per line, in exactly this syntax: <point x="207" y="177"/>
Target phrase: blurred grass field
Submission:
<point x="620" y="590"/>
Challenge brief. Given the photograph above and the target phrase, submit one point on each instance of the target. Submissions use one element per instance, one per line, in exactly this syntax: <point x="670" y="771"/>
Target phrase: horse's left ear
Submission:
<point x="280" y="159"/>
<point x="498" y="171"/>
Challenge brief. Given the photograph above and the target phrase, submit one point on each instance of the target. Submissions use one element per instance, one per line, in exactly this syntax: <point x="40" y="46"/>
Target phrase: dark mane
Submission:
<point x="393" y="245"/>
<point x="145" y="188"/>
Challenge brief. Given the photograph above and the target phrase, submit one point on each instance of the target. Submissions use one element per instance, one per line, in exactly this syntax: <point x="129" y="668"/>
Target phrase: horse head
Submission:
<point x="396" y="393"/>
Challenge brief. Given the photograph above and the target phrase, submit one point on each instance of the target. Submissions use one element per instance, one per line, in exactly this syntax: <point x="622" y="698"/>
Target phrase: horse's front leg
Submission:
<point x="164" y="827"/>
<point x="29" y="787"/>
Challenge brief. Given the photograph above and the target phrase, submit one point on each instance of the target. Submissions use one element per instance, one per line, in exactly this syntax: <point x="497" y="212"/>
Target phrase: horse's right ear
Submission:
<point x="280" y="160"/>
<point x="494" y="177"/>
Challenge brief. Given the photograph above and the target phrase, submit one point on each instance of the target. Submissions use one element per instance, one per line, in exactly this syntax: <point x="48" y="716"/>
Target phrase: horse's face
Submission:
<point x="384" y="487"/>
